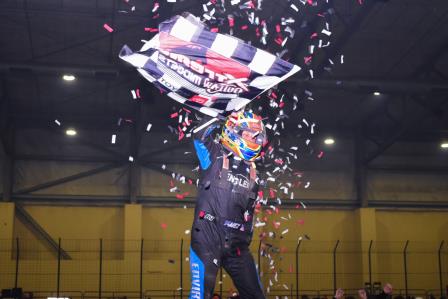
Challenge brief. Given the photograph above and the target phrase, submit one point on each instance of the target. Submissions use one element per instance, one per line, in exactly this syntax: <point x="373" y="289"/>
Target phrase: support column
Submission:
<point x="360" y="178"/>
<point x="6" y="225"/>
<point x="132" y="229"/>
<point x="367" y="230"/>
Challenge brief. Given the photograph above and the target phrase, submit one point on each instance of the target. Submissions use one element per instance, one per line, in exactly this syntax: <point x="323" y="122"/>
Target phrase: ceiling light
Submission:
<point x="70" y="132"/>
<point x="377" y="93"/>
<point x="444" y="145"/>
<point x="329" y="141"/>
<point x="68" y="77"/>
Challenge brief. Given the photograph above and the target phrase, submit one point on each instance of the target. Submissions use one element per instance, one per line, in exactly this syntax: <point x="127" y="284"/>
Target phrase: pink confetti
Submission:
<point x="231" y="21"/>
<point x="108" y="28"/>
<point x="307" y="59"/>
<point x="244" y="27"/>
<point x="163" y="225"/>
<point x="155" y="7"/>
<point x="277" y="28"/>
<point x="174" y="115"/>
<point x="314" y="35"/>
<point x="215" y="29"/>
<point x="300" y="222"/>
<point x="321" y="154"/>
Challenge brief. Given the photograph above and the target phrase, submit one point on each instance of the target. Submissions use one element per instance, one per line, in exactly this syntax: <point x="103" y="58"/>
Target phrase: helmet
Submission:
<point x="243" y="133"/>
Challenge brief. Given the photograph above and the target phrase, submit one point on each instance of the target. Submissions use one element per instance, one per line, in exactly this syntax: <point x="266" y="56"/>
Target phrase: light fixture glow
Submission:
<point x="329" y="141"/>
<point x="377" y="93"/>
<point x="68" y="77"/>
<point x="444" y="145"/>
<point x="70" y="132"/>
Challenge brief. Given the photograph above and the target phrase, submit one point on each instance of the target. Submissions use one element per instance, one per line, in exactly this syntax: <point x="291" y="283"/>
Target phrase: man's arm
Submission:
<point x="203" y="136"/>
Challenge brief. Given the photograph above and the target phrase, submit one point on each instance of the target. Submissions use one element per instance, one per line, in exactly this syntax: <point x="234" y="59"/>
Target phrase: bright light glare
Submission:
<point x="329" y="141"/>
<point x="444" y="145"/>
<point x="70" y="132"/>
<point x="67" y="77"/>
<point x="377" y="93"/>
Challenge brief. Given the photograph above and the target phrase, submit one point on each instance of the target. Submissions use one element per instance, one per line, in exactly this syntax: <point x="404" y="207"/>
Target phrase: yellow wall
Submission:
<point x="162" y="228"/>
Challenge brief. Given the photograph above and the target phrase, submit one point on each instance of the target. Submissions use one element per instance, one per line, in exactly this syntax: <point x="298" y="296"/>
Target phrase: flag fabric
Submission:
<point x="211" y="72"/>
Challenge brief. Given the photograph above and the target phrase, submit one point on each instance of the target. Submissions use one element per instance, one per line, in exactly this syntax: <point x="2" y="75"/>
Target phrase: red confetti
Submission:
<point x="215" y="29"/>
<point x="175" y="114"/>
<point x="279" y="40"/>
<point x="281" y="104"/>
<point x="137" y="91"/>
<point x="180" y="196"/>
<point x="321" y="154"/>
<point x="108" y="28"/>
<point x="314" y="35"/>
<point x="149" y="29"/>
<point x="244" y="27"/>
<point x="163" y="225"/>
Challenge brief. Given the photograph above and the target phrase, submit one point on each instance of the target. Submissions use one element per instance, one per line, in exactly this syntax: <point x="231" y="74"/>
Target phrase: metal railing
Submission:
<point x="115" y="269"/>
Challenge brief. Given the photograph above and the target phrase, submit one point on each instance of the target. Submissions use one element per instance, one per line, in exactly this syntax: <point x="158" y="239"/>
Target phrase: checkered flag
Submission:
<point x="211" y="72"/>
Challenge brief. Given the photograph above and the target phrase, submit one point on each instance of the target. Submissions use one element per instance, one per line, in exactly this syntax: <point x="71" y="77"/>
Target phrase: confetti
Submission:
<point x="57" y="122"/>
<point x="108" y="28"/>
<point x="114" y="137"/>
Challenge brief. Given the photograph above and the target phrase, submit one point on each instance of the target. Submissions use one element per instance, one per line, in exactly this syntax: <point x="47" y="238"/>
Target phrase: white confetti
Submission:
<point x="285" y="231"/>
<point x="114" y="138"/>
<point x="260" y="224"/>
<point x="148" y="127"/>
<point x="326" y="32"/>
<point x="57" y="122"/>
<point x="131" y="159"/>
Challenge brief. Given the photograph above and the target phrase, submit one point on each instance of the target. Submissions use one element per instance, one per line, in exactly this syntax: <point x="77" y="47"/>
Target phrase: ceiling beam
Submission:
<point x="393" y="137"/>
<point x="69" y="178"/>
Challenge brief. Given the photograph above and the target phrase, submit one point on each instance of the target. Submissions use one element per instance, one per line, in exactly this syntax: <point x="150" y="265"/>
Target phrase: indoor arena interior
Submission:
<point x="208" y="149"/>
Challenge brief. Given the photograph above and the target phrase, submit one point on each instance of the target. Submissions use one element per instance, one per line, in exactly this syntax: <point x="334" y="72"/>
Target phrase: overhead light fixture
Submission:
<point x="329" y="141"/>
<point x="444" y="145"/>
<point x="70" y="132"/>
<point x="68" y="77"/>
<point x="377" y="93"/>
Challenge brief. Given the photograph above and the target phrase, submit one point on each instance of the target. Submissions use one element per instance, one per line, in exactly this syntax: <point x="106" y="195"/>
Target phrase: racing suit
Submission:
<point x="222" y="227"/>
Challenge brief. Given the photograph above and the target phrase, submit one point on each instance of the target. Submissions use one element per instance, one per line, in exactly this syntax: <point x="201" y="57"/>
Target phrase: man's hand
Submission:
<point x="362" y="294"/>
<point x="339" y="294"/>
<point x="388" y="289"/>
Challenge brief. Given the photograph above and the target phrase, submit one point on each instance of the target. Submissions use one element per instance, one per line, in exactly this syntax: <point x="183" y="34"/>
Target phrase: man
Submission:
<point x="385" y="294"/>
<point x="222" y="225"/>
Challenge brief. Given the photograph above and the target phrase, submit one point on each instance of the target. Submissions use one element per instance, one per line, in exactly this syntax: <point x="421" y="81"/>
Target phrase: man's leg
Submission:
<point x="203" y="274"/>
<point x="244" y="275"/>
